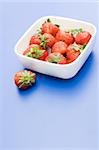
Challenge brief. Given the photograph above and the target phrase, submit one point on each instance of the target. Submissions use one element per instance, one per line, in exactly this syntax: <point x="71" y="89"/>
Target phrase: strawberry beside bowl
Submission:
<point x="64" y="71"/>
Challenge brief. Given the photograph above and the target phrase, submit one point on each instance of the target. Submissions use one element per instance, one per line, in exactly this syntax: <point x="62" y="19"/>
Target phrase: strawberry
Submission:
<point x="72" y="55"/>
<point x="35" y="39"/>
<point x="48" y="27"/>
<point x="72" y="52"/>
<point x="24" y="79"/>
<point x="31" y="46"/>
<point x="74" y="32"/>
<point x="64" y="36"/>
<point x="59" y="47"/>
<point x="83" y="37"/>
<point x="47" y="40"/>
<point x="76" y="47"/>
<point x="56" y="57"/>
<point x="35" y="51"/>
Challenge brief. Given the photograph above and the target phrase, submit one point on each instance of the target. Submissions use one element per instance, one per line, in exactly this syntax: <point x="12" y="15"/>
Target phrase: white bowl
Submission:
<point x="65" y="71"/>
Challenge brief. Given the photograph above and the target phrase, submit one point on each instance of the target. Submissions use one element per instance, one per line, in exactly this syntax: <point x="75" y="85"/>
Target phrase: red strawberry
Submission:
<point x="35" y="39"/>
<point x="31" y="46"/>
<point x="64" y="36"/>
<point x="83" y="37"/>
<point x="24" y="79"/>
<point x="72" y="52"/>
<point x="43" y="40"/>
<point x="35" y="51"/>
<point x="48" y="27"/>
<point x="72" y="55"/>
<point x="47" y="40"/>
<point x="59" y="47"/>
<point x="56" y="58"/>
<point x="45" y="54"/>
<point x="76" y="47"/>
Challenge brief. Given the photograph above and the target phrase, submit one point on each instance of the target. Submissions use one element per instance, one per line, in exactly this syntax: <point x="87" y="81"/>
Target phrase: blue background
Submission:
<point x="55" y="113"/>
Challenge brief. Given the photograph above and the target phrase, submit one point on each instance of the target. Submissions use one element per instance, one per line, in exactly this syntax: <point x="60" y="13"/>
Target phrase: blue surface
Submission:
<point x="54" y="113"/>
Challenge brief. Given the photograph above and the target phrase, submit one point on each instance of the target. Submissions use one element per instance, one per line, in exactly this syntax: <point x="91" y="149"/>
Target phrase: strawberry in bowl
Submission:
<point x="83" y="38"/>
<point x="45" y="40"/>
<point x="64" y="36"/>
<point x="35" y="51"/>
<point x="59" y="47"/>
<point x="49" y="27"/>
<point x="35" y="39"/>
<point x="73" y="51"/>
<point x="56" y="57"/>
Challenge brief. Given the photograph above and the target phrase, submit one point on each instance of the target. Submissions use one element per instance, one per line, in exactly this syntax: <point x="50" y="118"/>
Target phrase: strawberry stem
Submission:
<point x="35" y="52"/>
<point x="44" y="41"/>
<point x="48" y="20"/>
<point x="26" y="79"/>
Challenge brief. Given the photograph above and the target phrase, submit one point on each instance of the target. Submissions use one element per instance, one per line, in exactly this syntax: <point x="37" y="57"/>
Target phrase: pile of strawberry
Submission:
<point x="54" y="45"/>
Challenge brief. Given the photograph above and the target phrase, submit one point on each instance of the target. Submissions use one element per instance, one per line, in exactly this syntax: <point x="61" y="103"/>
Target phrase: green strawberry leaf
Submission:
<point x="29" y="54"/>
<point x="83" y="47"/>
<point x="35" y="52"/>
<point x="75" y="47"/>
<point x="48" y="20"/>
<point x="74" y="32"/>
<point x="26" y="79"/>
<point x="56" y="60"/>
<point x="44" y="41"/>
<point x="39" y="31"/>
<point x="57" y="25"/>
<point x="43" y="37"/>
<point x="34" y="49"/>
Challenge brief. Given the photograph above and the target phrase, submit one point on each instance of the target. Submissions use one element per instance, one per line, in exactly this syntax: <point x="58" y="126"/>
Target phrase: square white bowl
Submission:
<point x="65" y="71"/>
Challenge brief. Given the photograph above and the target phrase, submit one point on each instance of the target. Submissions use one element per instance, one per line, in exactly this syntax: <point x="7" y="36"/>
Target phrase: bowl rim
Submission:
<point x="62" y="18"/>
